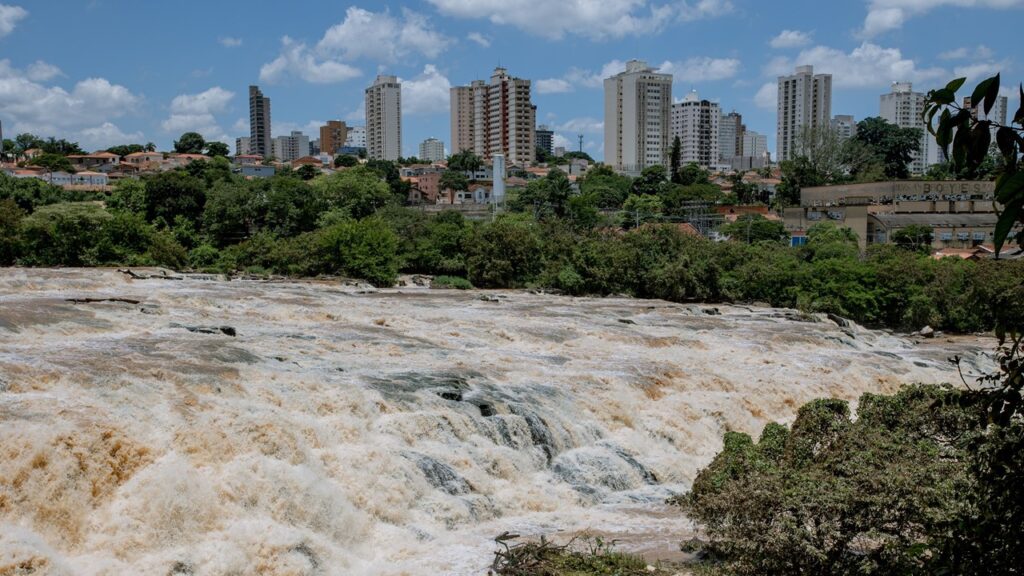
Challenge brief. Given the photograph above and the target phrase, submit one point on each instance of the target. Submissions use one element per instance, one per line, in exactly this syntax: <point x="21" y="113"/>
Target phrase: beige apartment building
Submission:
<point x="495" y="117"/>
<point x="805" y="100"/>
<point x="384" y="119"/>
<point x="637" y="113"/>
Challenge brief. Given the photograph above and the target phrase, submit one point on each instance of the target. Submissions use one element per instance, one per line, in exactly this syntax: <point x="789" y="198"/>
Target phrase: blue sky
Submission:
<point x="104" y="72"/>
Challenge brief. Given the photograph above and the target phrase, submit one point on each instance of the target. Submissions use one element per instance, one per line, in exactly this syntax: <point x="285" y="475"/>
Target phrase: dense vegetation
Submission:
<point x="615" y="235"/>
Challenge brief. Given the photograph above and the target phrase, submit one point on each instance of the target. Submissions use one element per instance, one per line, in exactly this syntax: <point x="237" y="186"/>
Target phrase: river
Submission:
<point x="192" y="425"/>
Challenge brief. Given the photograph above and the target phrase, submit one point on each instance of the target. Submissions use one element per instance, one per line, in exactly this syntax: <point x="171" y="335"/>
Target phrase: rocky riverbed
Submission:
<point x="191" y="425"/>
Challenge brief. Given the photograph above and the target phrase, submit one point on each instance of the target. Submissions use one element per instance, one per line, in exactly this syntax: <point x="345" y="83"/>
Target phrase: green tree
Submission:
<point x="26" y="141"/>
<point x="366" y="249"/>
<point x="754" y="228"/>
<point x="360" y="191"/>
<point x="895" y="147"/>
<point x="172" y="194"/>
<point x="641" y="208"/>
<point x="190" y="143"/>
<point x="53" y="163"/>
<point x="914" y="237"/>
<point x="345" y="161"/>
<point x="504" y="254"/>
<point x="675" y="156"/>
<point x="214" y="149"/>
<point x="465" y="161"/>
<point x="123" y="150"/>
<point x="650" y="182"/>
<point x="307" y="172"/>
<point x="61" y="147"/>
<point x="10" y="223"/>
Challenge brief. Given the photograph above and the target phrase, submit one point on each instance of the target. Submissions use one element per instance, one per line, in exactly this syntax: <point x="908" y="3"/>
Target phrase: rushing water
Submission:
<point x="341" y="430"/>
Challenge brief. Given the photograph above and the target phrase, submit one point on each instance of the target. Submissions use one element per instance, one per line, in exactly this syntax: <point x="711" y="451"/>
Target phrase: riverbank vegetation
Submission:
<point x="350" y="224"/>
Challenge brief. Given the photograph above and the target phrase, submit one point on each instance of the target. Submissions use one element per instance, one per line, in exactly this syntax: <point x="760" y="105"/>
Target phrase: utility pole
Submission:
<point x="580" y="136"/>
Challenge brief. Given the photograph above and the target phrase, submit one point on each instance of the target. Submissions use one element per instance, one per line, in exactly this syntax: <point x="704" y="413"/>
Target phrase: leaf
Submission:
<point x="1005" y="139"/>
<point x="980" y="91"/>
<point x="1008" y="185"/>
<point x="981" y="137"/>
<point x="961" y="144"/>
<point x="1006" y="222"/>
<point x="942" y="96"/>
<point x="955" y="84"/>
<point x="1018" y="118"/>
<point x="991" y="94"/>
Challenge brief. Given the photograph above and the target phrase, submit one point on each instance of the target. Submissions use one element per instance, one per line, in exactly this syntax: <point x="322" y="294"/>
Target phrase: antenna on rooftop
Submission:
<point x="580" y="136"/>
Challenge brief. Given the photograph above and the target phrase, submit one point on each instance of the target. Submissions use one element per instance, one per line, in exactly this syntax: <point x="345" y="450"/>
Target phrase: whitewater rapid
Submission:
<point x="196" y="426"/>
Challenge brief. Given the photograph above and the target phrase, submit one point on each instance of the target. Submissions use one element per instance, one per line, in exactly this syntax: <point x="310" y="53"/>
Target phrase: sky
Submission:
<point x="106" y="72"/>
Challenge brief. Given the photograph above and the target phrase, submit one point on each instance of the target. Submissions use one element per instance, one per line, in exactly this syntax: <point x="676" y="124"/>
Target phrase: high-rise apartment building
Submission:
<point x="431" y="150"/>
<point x="495" y="117"/>
<point x="333" y="137"/>
<point x="844" y="125"/>
<point x="291" y="147"/>
<point x="260" y="140"/>
<point x="904" y="108"/>
<point x="730" y="136"/>
<point x="356" y="137"/>
<point x="545" y="139"/>
<point x="754" y="145"/>
<point x="805" y="100"/>
<point x="242" y="147"/>
<point x="384" y="119"/>
<point x="696" y="123"/>
<point x="637" y="111"/>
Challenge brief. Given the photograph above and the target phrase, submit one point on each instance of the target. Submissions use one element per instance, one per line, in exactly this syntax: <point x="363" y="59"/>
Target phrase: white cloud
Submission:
<point x="40" y="71"/>
<point x="358" y="116"/>
<point x="241" y="126"/>
<point x="790" y="39"/>
<point x="32" y="106"/>
<point x="594" y="19"/>
<point x="310" y="128"/>
<point x="195" y="113"/>
<point x="9" y="18"/>
<point x="962" y="53"/>
<point x="584" y="125"/>
<point x="767" y="96"/>
<point x="296" y="59"/>
<point x="703" y="9"/>
<point x="105" y="136"/>
<point x="979" y="71"/>
<point x="701" y="69"/>
<point x="559" y="141"/>
<point x="382" y="37"/>
<point x="553" y="86"/>
<point x="479" y="39"/>
<point x="868" y="65"/>
<point x="886" y="15"/>
<point x="428" y="93"/>
<point x="229" y="41"/>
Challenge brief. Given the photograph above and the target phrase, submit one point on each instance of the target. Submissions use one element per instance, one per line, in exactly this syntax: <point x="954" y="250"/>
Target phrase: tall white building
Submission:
<point x="495" y="117"/>
<point x="695" y="122"/>
<point x="637" y="112"/>
<point x="356" y="137"/>
<point x="754" y="145"/>
<point x="292" y="147"/>
<point x="805" y="99"/>
<point x="384" y="119"/>
<point x="904" y="107"/>
<point x="431" y="150"/>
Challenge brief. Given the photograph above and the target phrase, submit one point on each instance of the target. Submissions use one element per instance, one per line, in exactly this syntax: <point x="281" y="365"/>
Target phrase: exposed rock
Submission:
<point x="712" y="311"/>
<point x="226" y="330"/>
<point x="927" y="332"/>
<point x="98" y="300"/>
<point x="626" y="321"/>
<point x="839" y="320"/>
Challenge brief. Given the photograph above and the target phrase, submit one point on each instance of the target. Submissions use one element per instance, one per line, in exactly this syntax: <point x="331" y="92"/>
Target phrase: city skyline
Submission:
<point x="194" y="74"/>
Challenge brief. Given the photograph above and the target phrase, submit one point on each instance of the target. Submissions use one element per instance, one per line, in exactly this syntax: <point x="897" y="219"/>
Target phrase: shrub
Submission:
<point x="366" y="249"/>
<point x="451" y="282"/>
<point x="506" y="253"/>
